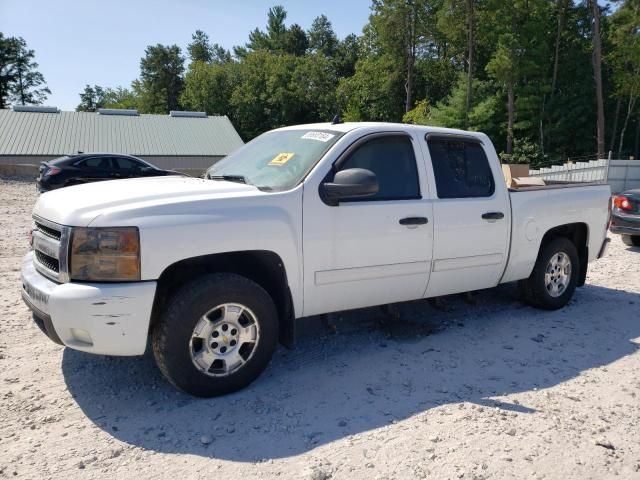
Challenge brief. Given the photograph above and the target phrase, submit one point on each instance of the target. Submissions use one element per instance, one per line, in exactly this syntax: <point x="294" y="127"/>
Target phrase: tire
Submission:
<point x="539" y="290"/>
<point x="631" y="240"/>
<point x="182" y="355"/>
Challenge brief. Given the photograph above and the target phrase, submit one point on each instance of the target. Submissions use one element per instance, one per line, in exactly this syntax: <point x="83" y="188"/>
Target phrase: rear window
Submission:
<point x="60" y="161"/>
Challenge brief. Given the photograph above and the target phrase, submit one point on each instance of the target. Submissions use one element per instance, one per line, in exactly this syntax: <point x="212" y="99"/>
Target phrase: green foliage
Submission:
<point x="278" y="90"/>
<point x="20" y="81"/>
<point x="296" y="41"/>
<point x="375" y="92"/>
<point x="525" y="152"/>
<point x="93" y="98"/>
<point x="322" y="38"/>
<point x="532" y="64"/>
<point x="208" y="87"/>
<point x="346" y="56"/>
<point x="419" y="115"/>
<point x="161" y="80"/>
<point x="200" y="48"/>
<point x="277" y="38"/>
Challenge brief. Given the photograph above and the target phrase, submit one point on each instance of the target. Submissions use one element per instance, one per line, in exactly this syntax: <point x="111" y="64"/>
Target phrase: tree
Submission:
<point x="274" y="38"/>
<point x="375" y="92"/>
<point x="485" y="115"/>
<point x="322" y="38"/>
<point x="91" y="99"/>
<point x="209" y="87"/>
<point x="20" y="81"/>
<point x="346" y="56"/>
<point x="200" y="49"/>
<point x="625" y="60"/>
<point x="597" y="73"/>
<point x="296" y="41"/>
<point x="399" y="25"/>
<point x="122" y="98"/>
<point x="220" y="54"/>
<point x="8" y="76"/>
<point x="161" y="80"/>
<point x="471" y="27"/>
<point x="503" y="67"/>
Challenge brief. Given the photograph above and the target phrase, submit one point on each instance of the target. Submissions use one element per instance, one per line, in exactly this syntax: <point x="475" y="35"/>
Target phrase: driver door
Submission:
<point x="373" y="250"/>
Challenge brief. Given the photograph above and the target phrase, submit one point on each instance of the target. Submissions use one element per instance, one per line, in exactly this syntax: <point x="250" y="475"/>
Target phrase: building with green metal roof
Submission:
<point x="180" y="140"/>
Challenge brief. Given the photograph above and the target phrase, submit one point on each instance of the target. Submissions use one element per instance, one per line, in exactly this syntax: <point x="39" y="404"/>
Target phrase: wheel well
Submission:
<point x="263" y="267"/>
<point x="578" y="233"/>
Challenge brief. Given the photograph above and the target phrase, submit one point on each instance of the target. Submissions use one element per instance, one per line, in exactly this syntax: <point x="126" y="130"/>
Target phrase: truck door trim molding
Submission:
<point x="374" y="272"/>
<point x="466" y="262"/>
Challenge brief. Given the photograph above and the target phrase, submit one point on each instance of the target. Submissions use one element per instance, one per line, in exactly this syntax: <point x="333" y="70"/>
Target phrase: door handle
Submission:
<point x="414" y="221"/>
<point x="493" y="216"/>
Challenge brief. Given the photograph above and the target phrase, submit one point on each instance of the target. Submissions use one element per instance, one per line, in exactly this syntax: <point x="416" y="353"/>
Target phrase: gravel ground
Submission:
<point x="481" y="387"/>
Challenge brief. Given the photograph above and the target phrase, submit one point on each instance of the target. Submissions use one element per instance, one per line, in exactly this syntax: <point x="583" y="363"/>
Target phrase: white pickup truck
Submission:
<point x="301" y="221"/>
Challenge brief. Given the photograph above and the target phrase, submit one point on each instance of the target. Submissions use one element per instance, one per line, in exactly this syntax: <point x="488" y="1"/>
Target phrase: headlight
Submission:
<point x="105" y="254"/>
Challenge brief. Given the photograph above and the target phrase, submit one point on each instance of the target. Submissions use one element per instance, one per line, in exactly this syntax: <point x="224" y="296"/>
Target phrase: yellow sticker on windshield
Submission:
<point x="281" y="159"/>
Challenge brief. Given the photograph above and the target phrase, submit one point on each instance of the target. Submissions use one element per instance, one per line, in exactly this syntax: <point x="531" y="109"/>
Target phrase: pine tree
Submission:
<point x="161" y="78"/>
<point x="20" y="80"/>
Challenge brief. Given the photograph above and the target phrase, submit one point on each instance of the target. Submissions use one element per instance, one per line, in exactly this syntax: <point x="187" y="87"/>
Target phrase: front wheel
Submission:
<point x="631" y="240"/>
<point x="553" y="280"/>
<point x="217" y="335"/>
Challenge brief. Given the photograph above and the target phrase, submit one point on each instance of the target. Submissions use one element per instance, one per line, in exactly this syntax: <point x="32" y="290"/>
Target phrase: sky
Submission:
<point x="101" y="42"/>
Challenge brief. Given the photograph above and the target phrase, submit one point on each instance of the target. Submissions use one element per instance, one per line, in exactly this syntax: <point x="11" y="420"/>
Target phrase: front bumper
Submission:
<point x="103" y="318"/>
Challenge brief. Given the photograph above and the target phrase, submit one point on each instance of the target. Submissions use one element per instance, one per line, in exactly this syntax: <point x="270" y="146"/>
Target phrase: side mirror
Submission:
<point x="348" y="184"/>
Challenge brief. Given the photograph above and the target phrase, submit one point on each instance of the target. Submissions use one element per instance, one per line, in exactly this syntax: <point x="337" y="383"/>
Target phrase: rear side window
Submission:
<point x="461" y="168"/>
<point x="393" y="161"/>
<point x="102" y="163"/>
<point x="127" y="164"/>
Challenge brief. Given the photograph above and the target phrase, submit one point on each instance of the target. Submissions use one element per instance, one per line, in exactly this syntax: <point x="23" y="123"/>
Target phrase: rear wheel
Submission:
<point x="217" y="335"/>
<point x="553" y="280"/>
<point x="631" y="240"/>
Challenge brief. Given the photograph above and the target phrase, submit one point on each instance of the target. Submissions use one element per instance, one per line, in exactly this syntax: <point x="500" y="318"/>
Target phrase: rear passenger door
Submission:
<point x="471" y="215"/>
<point x="95" y="168"/>
<point x="127" y="167"/>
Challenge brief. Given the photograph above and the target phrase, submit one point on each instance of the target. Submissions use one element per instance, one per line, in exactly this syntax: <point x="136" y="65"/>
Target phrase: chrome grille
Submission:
<point x="48" y="262"/>
<point x="51" y="245"/>
<point x="48" y="231"/>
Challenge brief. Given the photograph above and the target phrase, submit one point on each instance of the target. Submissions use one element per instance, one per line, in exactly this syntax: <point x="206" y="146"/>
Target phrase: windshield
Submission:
<point x="275" y="160"/>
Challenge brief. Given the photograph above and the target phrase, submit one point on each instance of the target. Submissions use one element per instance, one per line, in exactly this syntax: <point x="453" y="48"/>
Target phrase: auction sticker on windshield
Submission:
<point x="320" y="136"/>
<point x="281" y="159"/>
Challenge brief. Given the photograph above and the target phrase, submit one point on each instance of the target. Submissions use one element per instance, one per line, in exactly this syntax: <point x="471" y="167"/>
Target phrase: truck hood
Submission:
<point x="80" y="205"/>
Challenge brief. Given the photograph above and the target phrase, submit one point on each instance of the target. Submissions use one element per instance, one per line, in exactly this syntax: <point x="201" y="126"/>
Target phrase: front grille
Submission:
<point x="48" y="231"/>
<point x="48" y="262"/>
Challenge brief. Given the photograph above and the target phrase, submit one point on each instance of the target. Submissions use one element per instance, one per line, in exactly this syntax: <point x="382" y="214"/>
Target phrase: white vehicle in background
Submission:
<point x="301" y="221"/>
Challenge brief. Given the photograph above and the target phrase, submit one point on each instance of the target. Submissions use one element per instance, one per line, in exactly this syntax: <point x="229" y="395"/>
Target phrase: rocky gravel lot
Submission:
<point x="478" y="388"/>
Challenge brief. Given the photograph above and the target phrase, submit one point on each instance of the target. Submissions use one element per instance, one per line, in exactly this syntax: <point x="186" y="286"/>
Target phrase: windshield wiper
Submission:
<point x="230" y="178"/>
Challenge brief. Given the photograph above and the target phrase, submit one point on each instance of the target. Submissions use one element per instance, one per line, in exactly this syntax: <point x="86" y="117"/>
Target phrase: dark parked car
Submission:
<point x="92" y="167"/>
<point x="625" y="217"/>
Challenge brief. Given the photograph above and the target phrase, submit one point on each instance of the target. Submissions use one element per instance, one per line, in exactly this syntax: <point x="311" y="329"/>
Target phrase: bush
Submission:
<point x="524" y="151"/>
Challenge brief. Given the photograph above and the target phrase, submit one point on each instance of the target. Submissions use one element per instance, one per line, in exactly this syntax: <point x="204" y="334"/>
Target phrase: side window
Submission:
<point x="393" y="161"/>
<point x="123" y="163"/>
<point x="95" y="163"/>
<point x="461" y="168"/>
